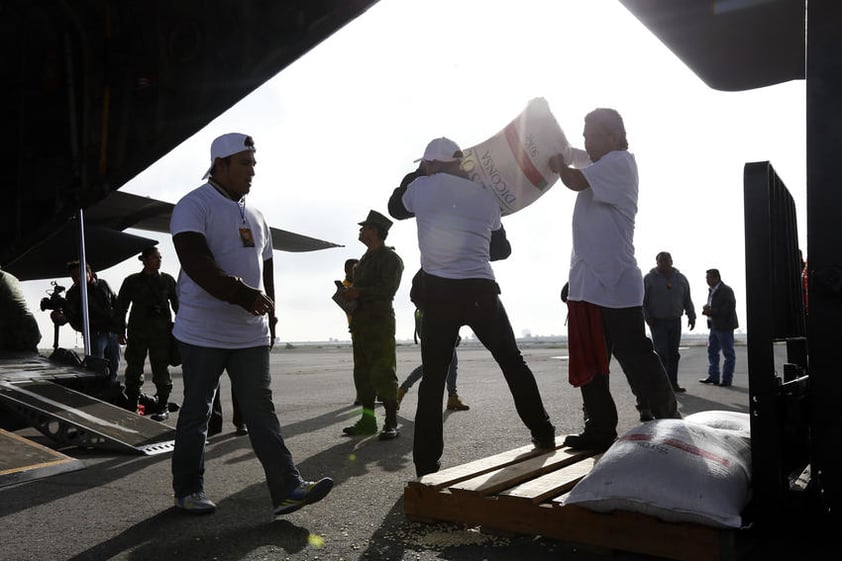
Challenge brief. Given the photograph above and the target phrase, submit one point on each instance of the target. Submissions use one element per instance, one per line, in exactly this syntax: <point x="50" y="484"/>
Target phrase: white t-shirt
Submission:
<point x="603" y="269"/>
<point x="202" y="319"/>
<point x="455" y="218"/>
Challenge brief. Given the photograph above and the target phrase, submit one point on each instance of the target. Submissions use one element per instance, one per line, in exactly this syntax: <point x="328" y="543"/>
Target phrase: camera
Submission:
<point x="55" y="301"/>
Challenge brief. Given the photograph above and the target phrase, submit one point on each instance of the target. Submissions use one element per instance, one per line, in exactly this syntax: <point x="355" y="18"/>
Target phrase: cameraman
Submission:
<point x="102" y="304"/>
<point x="18" y="327"/>
<point x="150" y="294"/>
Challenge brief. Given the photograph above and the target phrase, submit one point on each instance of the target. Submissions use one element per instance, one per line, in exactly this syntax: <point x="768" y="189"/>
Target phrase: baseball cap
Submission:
<point x="227" y="145"/>
<point x="441" y="150"/>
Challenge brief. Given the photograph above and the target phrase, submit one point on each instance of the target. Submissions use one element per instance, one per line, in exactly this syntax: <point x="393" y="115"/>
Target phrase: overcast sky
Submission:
<point x="336" y="131"/>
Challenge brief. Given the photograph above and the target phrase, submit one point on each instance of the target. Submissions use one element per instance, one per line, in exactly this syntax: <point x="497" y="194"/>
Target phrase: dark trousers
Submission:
<point x="448" y="305"/>
<point x="666" y="336"/>
<point x="626" y="340"/>
<point x="217" y="415"/>
<point x="154" y="338"/>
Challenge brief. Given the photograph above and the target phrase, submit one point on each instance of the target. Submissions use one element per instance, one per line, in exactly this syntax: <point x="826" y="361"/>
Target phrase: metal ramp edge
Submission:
<point x="24" y="460"/>
<point x="72" y="418"/>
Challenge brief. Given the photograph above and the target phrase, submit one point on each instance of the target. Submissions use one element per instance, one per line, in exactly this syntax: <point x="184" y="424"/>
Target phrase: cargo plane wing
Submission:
<point x="107" y="244"/>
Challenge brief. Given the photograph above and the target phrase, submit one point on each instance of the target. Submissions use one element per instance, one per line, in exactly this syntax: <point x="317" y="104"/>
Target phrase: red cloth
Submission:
<point x="585" y="343"/>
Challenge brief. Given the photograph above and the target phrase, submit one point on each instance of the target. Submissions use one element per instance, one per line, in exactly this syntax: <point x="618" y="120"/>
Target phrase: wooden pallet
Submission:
<point x="521" y="491"/>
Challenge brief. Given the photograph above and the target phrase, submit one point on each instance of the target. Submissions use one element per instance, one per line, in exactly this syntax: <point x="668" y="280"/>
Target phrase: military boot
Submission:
<point x="390" y="428"/>
<point x="131" y="400"/>
<point x="365" y="426"/>
<point x="161" y="412"/>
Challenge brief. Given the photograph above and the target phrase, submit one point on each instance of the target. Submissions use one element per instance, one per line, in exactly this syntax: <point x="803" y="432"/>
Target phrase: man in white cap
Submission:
<point x="459" y="233"/>
<point x="226" y="321"/>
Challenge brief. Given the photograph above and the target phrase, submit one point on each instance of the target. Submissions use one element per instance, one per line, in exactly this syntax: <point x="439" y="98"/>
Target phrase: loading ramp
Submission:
<point x="72" y="418"/>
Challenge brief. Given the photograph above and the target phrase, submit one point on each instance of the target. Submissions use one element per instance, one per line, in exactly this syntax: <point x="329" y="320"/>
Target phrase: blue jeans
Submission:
<point x="666" y="336"/>
<point x="721" y="340"/>
<point x="250" y="381"/>
<point x="106" y="345"/>
<point x="416" y="375"/>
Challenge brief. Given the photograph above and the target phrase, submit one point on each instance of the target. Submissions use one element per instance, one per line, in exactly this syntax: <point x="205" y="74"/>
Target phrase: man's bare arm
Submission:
<point x="572" y="178"/>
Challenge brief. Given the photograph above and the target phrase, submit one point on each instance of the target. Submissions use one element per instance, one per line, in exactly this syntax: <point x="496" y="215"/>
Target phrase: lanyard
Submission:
<point x="241" y="204"/>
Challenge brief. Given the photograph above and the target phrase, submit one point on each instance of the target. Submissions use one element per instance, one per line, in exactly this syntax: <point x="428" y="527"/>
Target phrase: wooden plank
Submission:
<point x="516" y="473"/>
<point x="551" y="485"/>
<point x="633" y="531"/>
<point x="534" y="507"/>
<point x="446" y="477"/>
<point x="626" y="531"/>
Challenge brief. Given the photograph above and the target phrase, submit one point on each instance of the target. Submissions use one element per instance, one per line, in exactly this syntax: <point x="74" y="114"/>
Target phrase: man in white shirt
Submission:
<point x="226" y="321"/>
<point x="606" y="287"/>
<point x="459" y="233"/>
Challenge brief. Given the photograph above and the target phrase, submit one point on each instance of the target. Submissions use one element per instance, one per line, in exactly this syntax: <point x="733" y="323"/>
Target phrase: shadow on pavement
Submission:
<point x="235" y="531"/>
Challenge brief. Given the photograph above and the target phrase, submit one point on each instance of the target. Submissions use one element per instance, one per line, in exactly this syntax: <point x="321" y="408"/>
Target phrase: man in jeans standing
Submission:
<point x="721" y="310"/>
<point x="666" y="297"/>
<point x="226" y="321"/>
<point x="103" y="325"/>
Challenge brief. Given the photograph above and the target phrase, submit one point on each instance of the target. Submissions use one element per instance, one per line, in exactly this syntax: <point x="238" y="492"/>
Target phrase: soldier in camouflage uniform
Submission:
<point x="150" y="294"/>
<point x="377" y="277"/>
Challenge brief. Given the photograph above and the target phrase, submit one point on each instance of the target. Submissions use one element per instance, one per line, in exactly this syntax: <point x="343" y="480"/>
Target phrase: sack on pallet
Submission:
<point x="725" y="420"/>
<point x="514" y="164"/>
<point x="674" y="470"/>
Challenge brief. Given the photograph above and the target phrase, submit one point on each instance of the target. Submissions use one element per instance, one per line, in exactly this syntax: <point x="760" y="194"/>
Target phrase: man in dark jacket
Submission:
<point x="721" y="310"/>
<point x="102" y="304"/>
<point x="666" y="297"/>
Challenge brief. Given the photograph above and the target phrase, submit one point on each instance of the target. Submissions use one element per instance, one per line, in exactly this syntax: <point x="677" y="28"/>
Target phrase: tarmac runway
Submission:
<point x="120" y="506"/>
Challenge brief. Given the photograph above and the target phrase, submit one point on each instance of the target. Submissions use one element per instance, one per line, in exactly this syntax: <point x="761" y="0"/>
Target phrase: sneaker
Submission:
<point x="365" y="426"/>
<point x="307" y="492"/>
<point x="401" y="393"/>
<point x="455" y="404"/>
<point x="195" y="503"/>
<point x="161" y="415"/>
<point x="389" y="432"/>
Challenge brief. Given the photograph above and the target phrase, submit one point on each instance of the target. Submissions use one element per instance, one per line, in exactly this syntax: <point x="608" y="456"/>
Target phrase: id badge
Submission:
<point x="246" y="237"/>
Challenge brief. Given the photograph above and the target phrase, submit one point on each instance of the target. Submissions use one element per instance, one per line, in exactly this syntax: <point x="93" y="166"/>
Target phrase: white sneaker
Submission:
<point x="196" y="503"/>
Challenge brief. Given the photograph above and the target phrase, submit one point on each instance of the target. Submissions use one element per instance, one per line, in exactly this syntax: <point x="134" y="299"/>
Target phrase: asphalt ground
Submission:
<point x="120" y="506"/>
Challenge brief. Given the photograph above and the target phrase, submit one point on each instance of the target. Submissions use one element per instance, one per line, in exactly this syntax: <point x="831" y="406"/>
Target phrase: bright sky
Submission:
<point x="336" y="131"/>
